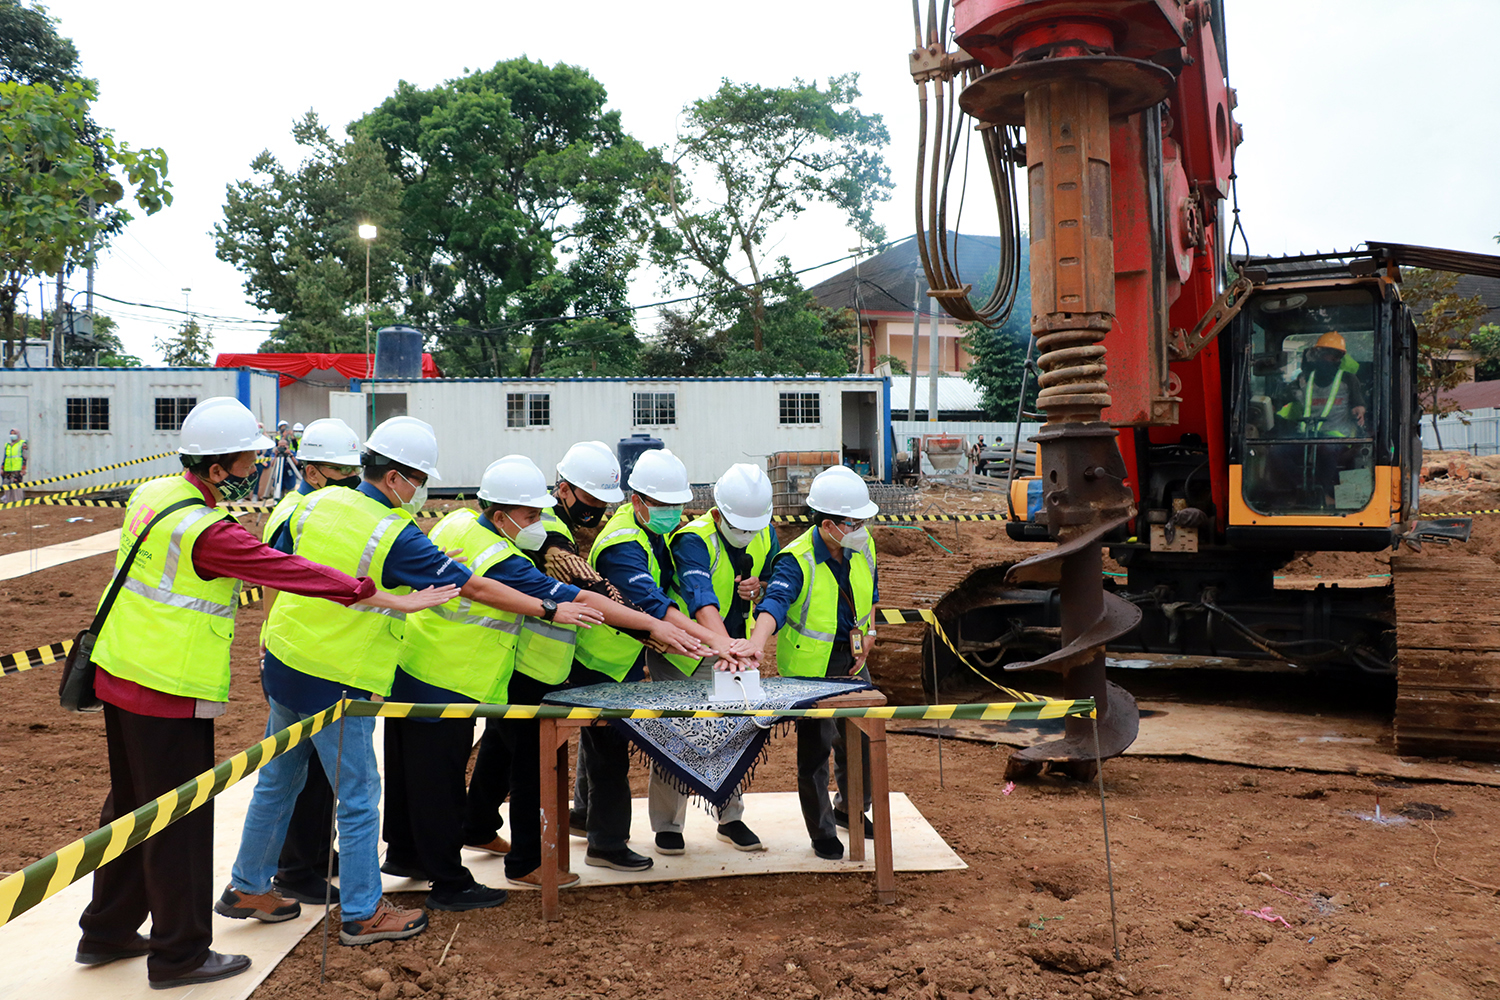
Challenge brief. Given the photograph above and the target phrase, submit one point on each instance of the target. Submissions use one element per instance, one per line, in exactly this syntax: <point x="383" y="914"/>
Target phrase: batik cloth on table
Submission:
<point x="704" y="757"/>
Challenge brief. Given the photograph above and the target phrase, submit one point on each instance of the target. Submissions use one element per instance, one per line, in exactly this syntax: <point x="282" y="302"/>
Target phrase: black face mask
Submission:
<point x="584" y="515"/>
<point x="1323" y="371"/>
<point x="350" y="481"/>
<point x="233" y="488"/>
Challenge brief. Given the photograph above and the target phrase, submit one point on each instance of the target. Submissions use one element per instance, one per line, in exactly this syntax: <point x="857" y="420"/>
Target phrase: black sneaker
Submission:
<point x="400" y="870"/>
<point x="578" y="824"/>
<point x="623" y="860"/>
<point x="307" y="889"/>
<point x="475" y="897"/>
<point x="829" y="848"/>
<point x="741" y="836"/>
<point x="841" y="820"/>
<point x="670" y="843"/>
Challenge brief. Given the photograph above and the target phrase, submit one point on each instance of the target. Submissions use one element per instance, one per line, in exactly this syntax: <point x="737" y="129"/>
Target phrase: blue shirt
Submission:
<point x="412" y="562"/>
<point x="522" y="575"/>
<point x="786" y="584"/>
<point x="694" y="580"/>
<point x="626" y="567"/>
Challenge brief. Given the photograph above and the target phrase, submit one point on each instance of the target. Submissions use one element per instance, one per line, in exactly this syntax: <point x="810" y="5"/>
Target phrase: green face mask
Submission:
<point x="664" y="519"/>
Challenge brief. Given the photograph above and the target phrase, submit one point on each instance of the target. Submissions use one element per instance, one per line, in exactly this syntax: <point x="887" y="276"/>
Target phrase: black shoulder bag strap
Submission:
<point x="119" y="580"/>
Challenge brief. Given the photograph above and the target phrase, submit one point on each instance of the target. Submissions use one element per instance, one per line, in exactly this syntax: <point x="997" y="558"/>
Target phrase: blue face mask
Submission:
<point x="664" y="519"/>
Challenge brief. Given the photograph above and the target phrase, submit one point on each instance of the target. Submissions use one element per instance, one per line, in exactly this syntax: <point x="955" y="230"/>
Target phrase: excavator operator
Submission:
<point x="1327" y="402"/>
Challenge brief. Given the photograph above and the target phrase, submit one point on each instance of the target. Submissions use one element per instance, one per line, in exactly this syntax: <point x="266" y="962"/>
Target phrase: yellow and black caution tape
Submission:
<point x="56" y="652"/>
<point x="37" y="881"/>
<point x="1463" y="513"/>
<point x="902" y="518"/>
<point x="65" y="498"/>
<point x="89" y="472"/>
<point x="44" y="878"/>
<point x="907" y="616"/>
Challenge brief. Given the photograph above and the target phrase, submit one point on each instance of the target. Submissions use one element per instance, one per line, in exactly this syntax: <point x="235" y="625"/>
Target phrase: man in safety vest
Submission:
<point x="720" y="564"/>
<point x="1328" y="402"/>
<point x="17" y="454"/>
<point x="316" y="655"/>
<point x="821" y="597"/>
<point x="162" y="660"/>
<point x="631" y="553"/>
<point x="463" y="653"/>
<point x="588" y="480"/>
<point x="330" y="450"/>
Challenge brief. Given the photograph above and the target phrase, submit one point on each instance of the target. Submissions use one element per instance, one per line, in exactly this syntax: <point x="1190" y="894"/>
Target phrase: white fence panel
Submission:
<point x="1476" y="432"/>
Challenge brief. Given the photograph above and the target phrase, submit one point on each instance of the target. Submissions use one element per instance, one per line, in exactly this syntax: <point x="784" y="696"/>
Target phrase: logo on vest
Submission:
<point x="142" y="518"/>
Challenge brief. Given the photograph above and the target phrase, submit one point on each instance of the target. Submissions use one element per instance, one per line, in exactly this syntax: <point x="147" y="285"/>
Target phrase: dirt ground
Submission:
<point x="1228" y="880"/>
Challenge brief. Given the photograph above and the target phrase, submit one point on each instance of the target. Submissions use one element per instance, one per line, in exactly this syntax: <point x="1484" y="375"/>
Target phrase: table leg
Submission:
<point x="880" y="793"/>
<point x="552" y="823"/>
<point x="564" y="803"/>
<point x="854" y="805"/>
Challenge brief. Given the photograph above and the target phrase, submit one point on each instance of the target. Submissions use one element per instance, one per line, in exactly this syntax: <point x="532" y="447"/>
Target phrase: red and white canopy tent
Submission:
<point x="317" y="367"/>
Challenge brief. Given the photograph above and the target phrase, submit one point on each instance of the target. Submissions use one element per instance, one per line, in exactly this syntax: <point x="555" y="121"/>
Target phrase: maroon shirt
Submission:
<point x="225" y="548"/>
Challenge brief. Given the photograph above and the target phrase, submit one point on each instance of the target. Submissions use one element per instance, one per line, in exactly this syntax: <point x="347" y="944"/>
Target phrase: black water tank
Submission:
<point x="631" y="448"/>
<point x="398" y="352"/>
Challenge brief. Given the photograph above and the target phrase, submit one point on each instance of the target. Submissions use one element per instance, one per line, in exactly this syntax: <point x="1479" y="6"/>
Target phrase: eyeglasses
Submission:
<point x="341" y="470"/>
<point x="854" y="525"/>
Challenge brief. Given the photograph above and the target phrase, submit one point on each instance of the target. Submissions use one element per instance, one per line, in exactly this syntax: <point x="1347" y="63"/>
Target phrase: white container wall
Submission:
<point x="1476" y="432"/>
<point x="710" y="423"/>
<point x="83" y="418"/>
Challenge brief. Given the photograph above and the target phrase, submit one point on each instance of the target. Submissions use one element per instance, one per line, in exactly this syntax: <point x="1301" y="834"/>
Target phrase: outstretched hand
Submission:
<point x="417" y="600"/>
<point x="573" y="613"/>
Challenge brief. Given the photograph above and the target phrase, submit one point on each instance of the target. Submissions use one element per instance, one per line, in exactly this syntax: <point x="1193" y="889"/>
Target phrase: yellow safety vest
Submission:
<point x="285" y="508"/>
<point x="544" y="650"/>
<point x="721" y="573"/>
<point x="169" y="629"/>
<point x="462" y="646"/>
<point x="358" y="645"/>
<point x="13" y="455"/>
<point x="805" y="643"/>
<point x="601" y="648"/>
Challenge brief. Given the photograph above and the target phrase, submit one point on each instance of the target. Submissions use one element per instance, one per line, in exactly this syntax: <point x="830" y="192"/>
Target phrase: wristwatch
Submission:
<point x="549" y="609"/>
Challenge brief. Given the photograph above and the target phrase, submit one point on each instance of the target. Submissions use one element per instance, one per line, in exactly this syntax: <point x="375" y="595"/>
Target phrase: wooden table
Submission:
<point x="555" y="734"/>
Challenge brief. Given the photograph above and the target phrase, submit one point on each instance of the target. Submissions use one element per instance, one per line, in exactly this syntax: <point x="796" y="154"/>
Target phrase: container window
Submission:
<point x="170" y="411"/>
<point x="528" y="409"/>
<point x="801" y="408"/>
<point x="88" y="413"/>
<point x="654" y="409"/>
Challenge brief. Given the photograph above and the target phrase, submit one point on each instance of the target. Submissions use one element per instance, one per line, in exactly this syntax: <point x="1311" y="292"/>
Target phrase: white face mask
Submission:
<point x="856" y="539"/>
<point x="15" y="437"/>
<point x="418" y="497"/>
<point x="738" y="537"/>
<point x="529" y="538"/>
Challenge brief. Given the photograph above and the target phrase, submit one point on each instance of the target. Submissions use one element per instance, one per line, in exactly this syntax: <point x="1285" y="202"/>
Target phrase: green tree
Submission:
<point x="593" y="346"/>
<point x="522" y="202"/>
<point x="58" y="194"/>
<point x="999" y="355"/>
<point x="294" y="234"/>
<point x="31" y="51"/>
<point x="1445" y="324"/>
<point x="898" y="367"/>
<point x="1486" y="343"/>
<point x="189" y="347"/>
<point x="750" y="157"/>
<point x="684" y="347"/>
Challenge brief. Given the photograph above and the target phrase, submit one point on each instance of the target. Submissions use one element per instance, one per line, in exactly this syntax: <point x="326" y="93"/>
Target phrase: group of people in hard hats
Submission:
<point x="494" y="605"/>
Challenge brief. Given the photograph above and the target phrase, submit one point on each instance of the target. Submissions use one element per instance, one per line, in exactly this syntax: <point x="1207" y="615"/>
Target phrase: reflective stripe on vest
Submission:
<point x="463" y="646"/>
<point x="169" y="630"/>
<point x="805" y="644"/>
<point x="721" y="573"/>
<point x="284" y="511"/>
<point x="353" y="533"/>
<point x="545" y="649"/>
<point x="601" y="648"/>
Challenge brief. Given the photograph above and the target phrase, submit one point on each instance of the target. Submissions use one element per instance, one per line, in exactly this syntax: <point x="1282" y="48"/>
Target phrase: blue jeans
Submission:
<point x="276" y="790"/>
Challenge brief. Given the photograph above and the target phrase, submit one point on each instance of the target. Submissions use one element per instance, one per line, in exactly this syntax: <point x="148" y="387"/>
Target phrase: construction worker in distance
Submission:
<point x="163" y="669"/>
<point x="17" y="456"/>
<point x="330" y="451"/>
<point x="721" y="561"/>
<point x="316" y="656"/>
<point x="1327" y="403"/>
<point x="454" y="654"/>
<point x="821" y="597"/>
<point x="631" y="553"/>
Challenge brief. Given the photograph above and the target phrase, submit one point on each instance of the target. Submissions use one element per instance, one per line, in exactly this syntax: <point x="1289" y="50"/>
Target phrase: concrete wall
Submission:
<point x="36" y="401"/>
<point x="717" y="422"/>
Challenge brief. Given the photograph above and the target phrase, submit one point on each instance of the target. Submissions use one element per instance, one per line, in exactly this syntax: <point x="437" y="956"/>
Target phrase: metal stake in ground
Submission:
<point x="333" y="827"/>
<point x="1109" y="868"/>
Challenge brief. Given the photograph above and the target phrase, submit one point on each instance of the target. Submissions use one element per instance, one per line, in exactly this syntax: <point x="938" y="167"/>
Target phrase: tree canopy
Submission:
<point x="189" y="346"/>
<point x="1000" y="354"/>
<point x="1445" y="323"/>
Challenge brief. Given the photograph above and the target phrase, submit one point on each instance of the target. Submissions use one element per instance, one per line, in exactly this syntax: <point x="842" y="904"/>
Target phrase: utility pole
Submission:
<point x="57" y="323"/>
<point x="934" y="364"/>
<point x="368" y="233"/>
<point x="916" y="330"/>
<point x="859" y="314"/>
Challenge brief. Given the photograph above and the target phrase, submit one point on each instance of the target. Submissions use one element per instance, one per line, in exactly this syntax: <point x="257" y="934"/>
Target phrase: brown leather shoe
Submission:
<point x="386" y="924"/>
<point x="214" y="968"/>
<point x="497" y="846"/>
<point x="267" y="907"/>
<point x="533" y="878"/>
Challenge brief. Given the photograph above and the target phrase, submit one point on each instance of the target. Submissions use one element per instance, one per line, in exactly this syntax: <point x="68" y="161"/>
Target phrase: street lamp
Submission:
<point x="367" y="233"/>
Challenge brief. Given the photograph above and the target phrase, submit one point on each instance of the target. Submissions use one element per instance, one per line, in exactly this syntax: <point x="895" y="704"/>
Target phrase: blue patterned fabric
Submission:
<point x="705" y="757"/>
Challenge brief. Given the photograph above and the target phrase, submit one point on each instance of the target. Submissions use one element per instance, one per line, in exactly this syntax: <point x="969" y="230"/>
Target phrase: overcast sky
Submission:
<point x="1364" y="119"/>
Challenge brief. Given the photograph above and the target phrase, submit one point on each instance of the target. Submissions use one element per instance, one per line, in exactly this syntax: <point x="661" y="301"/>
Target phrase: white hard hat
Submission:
<point x="743" y="496"/>
<point x="515" y="479"/>
<point x="592" y="467"/>
<point x="840" y="491"/>
<point x="221" y="425"/>
<point x="329" y="440"/>
<point x="281" y="423"/>
<point x="660" y="475"/>
<point x="298" y="426"/>
<point x="409" y="441"/>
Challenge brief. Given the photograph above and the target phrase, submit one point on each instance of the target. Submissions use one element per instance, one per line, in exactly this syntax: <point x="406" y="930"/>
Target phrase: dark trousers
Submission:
<point x="606" y="759"/>
<point x="304" y="853"/>
<point x="524" y="739"/>
<point x="424" y="797"/>
<point x="490" y="783"/>
<point x="815" y="737"/>
<point x="169" y="876"/>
